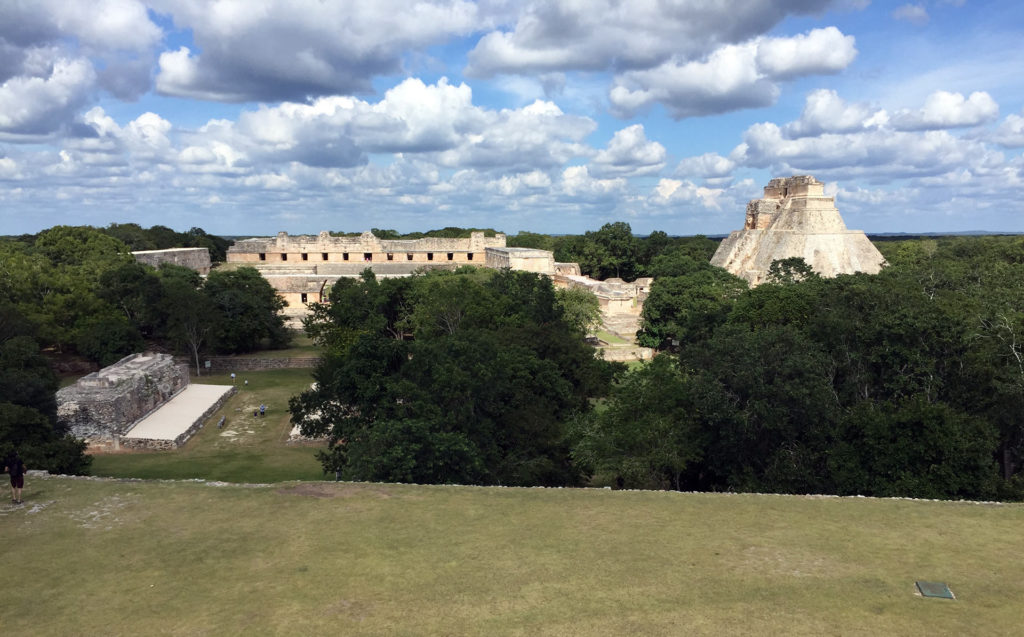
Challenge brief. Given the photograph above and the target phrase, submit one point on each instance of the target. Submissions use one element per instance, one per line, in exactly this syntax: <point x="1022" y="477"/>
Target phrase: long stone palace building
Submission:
<point x="303" y="268"/>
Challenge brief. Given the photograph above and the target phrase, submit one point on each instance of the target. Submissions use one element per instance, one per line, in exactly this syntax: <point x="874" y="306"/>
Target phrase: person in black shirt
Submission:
<point x="16" y="468"/>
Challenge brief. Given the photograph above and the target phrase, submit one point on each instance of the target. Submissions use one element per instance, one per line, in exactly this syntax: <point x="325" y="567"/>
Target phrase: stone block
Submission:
<point x="109" y="402"/>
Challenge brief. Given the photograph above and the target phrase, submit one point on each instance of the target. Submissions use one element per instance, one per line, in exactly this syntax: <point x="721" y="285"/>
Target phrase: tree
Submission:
<point x="580" y="308"/>
<point x="531" y="240"/>
<point x="248" y="311"/>
<point x="131" y="234"/>
<point x="914" y="448"/>
<point x="647" y="435"/>
<point x="687" y="308"/>
<point x="790" y="270"/>
<point x="191" y="315"/>
<point x="463" y="377"/>
<point x="136" y="291"/>
<point x="107" y="338"/>
<point x="765" y="403"/>
<point x="28" y="405"/>
<point x="82" y="246"/>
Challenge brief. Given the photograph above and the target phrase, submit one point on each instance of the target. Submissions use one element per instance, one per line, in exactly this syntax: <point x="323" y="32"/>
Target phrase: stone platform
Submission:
<point x="106" y="404"/>
<point x="176" y="421"/>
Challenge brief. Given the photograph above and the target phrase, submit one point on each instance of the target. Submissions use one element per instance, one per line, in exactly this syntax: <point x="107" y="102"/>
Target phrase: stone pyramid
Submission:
<point x="796" y="219"/>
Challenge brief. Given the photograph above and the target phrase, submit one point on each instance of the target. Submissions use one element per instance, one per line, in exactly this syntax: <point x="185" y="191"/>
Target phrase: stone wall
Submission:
<point x="568" y="269"/>
<point x="197" y="259"/>
<point x="366" y="248"/>
<point x="626" y="354"/>
<point x="109" y="402"/>
<point x="164" y="445"/>
<point x="239" y="364"/>
<point x="525" y="259"/>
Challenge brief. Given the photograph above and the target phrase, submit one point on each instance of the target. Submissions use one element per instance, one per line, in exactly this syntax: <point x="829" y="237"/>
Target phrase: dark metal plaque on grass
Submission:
<point x="935" y="589"/>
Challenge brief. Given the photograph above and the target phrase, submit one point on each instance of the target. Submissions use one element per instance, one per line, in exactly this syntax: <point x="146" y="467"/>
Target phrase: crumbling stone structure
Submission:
<point x="526" y="259"/>
<point x="794" y="218"/>
<point x="303" y="268"/>
<point x="365" y="249"/>
<point x="197" y="259"/>
<point x="108" y="403"/>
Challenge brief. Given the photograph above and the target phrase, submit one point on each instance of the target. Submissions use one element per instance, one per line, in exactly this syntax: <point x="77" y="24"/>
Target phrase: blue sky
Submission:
<point x="254" y="116"/>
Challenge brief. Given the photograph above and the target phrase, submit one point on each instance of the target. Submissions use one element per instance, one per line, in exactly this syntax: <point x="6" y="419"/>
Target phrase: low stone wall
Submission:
<point x="238" y="364"/>
<point x="164" y="445"/>
<point x="197" y="259"/>
<point x="625" y="354"/>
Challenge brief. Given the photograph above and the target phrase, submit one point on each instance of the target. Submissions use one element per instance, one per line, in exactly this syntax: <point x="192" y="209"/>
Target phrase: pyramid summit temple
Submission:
<point x="794" y="218"/>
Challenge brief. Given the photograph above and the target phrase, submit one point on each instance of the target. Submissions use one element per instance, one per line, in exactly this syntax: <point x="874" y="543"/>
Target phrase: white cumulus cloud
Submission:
<point x="826" y="112"/>
<point x="912" y="13"/>
<point x="40" y="105"/>
<point x="943" y="109"/>
<point x="733" y="76"/>
<point x="1010" y="133"/>
<point x="553" y="35"/>
<point x="706" y="166"/>
<point x="272" y="50"/>
<point x="629" y="153"/>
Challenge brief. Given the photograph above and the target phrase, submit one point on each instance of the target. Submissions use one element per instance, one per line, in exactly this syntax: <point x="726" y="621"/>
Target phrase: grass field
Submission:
<point x="611" y="339"/>
<point x="301" y="346"/>
<point x="185" y="558"/>
<point x="248" y="449"/>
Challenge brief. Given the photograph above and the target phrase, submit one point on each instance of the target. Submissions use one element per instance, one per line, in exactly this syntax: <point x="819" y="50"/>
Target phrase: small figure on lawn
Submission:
<point x="263" y="410"/>
<point x="16" y="468"/>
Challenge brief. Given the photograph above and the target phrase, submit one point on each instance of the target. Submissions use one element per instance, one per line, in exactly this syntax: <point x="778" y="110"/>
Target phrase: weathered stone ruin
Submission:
<point x="796" y="219"/>
<point x="303" y="268"/>
<point x="108" y="403"/>
<point x="197" y="259"/>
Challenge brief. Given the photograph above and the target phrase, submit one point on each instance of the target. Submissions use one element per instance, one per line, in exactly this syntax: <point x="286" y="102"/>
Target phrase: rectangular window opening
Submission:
<point x="305" y="256"/>
<point x="408" y="256"/>
<point x="367" y="256"/>
<point x="303" y="297"/>
<point x="344" y="256"/>
<point x="430" y="256"/>
<point x="469" y="256"/>
<point x="391" y="257"/>
<point x="284" y="256"/>
<point x="323" y="256"/>
<point x="451" y="255"/>
<point x="263" y="256"/>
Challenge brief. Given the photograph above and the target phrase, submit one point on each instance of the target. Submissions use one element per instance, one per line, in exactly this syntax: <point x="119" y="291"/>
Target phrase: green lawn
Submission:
<point x="248" y="449"/>
<point x="301" y="347"/>
<point x="611" y="339"/>
<point x="183" y="558"/>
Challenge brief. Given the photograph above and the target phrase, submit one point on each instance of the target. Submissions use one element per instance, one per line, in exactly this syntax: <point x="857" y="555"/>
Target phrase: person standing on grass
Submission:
<point x="16" y="468"/>
<point x="263" y="410"/>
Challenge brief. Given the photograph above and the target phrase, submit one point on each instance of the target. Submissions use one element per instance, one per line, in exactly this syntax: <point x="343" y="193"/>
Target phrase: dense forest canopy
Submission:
<point x="77" y="290"/>
<point x="909" y="382"/>
<point x="465" y="377"/>
<point x="161" y="238"/>
<point x="85" y="294"/>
